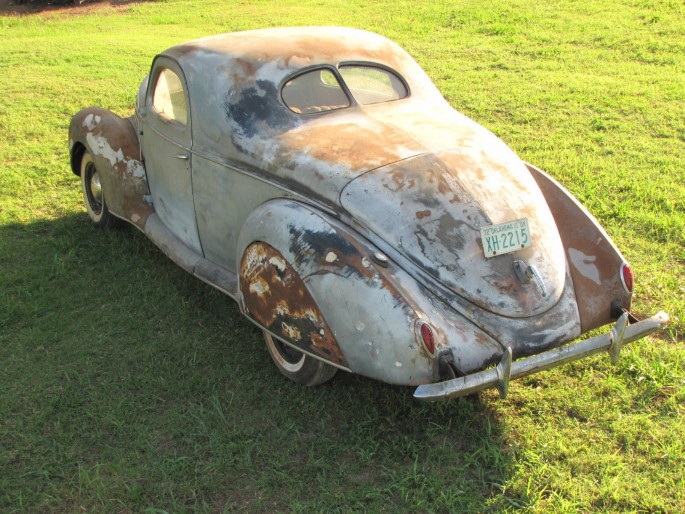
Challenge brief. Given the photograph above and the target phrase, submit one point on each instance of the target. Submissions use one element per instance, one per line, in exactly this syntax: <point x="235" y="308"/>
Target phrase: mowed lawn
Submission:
<point x="126" y="385"/>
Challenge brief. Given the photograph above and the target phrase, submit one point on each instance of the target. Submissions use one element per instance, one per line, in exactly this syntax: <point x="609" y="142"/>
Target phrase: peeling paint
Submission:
<point x="260" y="287"/>
<point x="91" y="121"/>
<point x="291" y="333"/>
<point x="113" y="143"/>
<point x="135" y="168"/>
<point x="278" y="263"/>
<point x="585" y="264"/>
<point x="100" y="146"/>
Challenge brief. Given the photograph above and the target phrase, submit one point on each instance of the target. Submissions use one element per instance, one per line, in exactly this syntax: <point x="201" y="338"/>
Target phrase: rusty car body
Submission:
<point x="318" y="177"/>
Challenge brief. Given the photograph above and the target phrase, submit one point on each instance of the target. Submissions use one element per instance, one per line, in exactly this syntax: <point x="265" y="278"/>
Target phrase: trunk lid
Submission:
<point x="431" y="208"/>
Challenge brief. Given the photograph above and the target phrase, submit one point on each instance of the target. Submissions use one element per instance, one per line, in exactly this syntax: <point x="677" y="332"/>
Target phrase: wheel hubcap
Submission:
<point x="94" y="188"/>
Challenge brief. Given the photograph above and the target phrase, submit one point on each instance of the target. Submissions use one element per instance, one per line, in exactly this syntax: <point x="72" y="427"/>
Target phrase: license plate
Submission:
<point x="505" y="237"/>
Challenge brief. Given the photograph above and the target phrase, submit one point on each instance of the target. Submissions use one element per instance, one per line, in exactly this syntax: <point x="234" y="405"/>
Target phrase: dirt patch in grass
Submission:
<point x="12" y="7"/>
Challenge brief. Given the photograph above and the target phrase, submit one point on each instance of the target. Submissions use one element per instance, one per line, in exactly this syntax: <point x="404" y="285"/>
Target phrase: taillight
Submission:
<point x="627" y="278"/>
<point x="427" y="337"/>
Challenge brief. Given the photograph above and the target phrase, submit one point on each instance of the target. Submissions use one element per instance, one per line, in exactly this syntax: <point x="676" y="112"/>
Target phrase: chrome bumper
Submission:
<point x="506" y="370"/>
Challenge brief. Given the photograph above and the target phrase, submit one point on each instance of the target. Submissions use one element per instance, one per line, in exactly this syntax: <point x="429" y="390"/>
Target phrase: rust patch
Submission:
<point x="351" y="145"/>
<point x="423" y="214"/>
<point x="401" y="179"/>
<point x="278" y="299"/>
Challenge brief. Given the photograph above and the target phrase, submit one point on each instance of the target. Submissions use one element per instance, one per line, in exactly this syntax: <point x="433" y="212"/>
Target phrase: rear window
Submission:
<point x="314" y="91"/>
<point x="372" y="85"/>
<point x="319" y="90"/>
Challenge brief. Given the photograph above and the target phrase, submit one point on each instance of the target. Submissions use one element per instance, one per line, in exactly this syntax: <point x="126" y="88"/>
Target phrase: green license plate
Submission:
<point x="505" y="237"/>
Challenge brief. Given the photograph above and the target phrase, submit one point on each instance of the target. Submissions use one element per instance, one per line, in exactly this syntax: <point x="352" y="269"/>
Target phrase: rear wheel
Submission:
<point x="94" y="195"/>
<point x="297" y="366"/>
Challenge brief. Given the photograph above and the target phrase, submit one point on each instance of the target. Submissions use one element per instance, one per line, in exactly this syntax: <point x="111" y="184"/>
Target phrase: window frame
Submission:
<point x="182" y="132"/>
<point x="317" y="67"/>
<point x="166" y="72"/>
<point x="350" y="96"/>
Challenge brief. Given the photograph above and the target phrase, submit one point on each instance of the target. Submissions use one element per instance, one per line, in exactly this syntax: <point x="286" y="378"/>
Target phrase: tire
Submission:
<point x="297" y="366"/>
<point x="94" y="195"/>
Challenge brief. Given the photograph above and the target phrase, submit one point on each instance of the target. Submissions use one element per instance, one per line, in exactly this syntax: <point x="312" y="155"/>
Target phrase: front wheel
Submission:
<point x="297" y="366"/>
<point x="94" y="195"/>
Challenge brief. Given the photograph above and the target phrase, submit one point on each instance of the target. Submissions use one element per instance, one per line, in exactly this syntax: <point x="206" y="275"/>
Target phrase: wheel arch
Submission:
<point x="77" y="151"/>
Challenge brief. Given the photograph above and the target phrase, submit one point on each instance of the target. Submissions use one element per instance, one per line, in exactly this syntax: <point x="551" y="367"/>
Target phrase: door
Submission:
<point x="167" y="141"/>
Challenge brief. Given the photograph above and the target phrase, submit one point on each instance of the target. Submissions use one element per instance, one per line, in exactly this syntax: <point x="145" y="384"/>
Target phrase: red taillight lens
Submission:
<point x="427" y="336"/>
<point x="627" y="278"/>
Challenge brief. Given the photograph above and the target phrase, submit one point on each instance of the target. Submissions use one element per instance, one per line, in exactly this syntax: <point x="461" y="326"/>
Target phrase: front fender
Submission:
<point x="113" y="143"/>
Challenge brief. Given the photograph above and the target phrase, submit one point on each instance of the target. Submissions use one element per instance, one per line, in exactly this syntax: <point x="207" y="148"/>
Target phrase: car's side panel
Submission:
<point x="594" y="260"/>
<point x="224" y="197"/>
<point x="113" y="143"/>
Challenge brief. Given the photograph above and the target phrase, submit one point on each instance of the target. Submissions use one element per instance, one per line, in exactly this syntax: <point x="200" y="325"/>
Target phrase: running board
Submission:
<point x="216" y="276"/>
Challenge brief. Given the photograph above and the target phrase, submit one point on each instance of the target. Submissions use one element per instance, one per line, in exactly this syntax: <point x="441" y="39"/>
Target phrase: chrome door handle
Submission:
<point x="182" y="156"/>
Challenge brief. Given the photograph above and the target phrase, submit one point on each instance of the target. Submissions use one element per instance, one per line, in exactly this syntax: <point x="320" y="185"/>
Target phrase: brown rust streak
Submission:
<point x="357" y="148"/>
<point x="278" y="299"/>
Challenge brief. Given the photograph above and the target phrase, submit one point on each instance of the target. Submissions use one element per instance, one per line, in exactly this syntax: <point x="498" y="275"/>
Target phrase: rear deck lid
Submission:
<point x="432" y="208"/>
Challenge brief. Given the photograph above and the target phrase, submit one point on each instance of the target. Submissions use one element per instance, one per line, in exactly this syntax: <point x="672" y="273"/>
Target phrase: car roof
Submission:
<point x="296" y="47"/>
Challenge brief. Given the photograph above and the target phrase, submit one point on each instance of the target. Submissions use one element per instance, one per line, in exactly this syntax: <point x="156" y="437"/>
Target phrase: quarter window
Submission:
<point x="169" y="98"/>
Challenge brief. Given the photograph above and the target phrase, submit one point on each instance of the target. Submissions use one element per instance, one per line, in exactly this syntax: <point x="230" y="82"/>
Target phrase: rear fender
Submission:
<point x="594" y="260"/>
<point x="113" y="143"/>
<point x="365" y="320"/>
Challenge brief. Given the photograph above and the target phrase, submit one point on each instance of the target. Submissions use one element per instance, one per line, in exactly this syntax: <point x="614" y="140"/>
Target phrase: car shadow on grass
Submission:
<point x="132" y="385"/>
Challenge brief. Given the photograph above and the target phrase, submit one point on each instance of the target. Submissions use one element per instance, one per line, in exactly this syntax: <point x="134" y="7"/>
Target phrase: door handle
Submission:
<point x="182" y="156"/>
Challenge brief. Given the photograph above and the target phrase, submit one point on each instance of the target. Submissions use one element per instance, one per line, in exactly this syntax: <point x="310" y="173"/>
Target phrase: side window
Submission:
<point x="314" y="91"/>
<point x="169" y="99"/>
<point x="372" y="85"/>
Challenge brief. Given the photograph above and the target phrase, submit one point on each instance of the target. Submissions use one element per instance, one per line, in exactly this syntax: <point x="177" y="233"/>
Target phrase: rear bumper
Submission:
<point x="506" y="370"/>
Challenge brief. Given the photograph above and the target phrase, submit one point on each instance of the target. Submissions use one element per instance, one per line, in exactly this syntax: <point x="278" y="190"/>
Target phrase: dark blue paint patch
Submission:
<point x="308" y="244"/>
<point x="258" y="109"/>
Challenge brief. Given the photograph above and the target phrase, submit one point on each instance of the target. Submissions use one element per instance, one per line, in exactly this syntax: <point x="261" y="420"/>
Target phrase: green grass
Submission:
<point x="128" y="386"/>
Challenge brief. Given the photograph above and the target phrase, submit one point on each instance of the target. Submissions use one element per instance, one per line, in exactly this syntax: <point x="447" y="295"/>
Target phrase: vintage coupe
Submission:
<point x="317" y="176"/>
